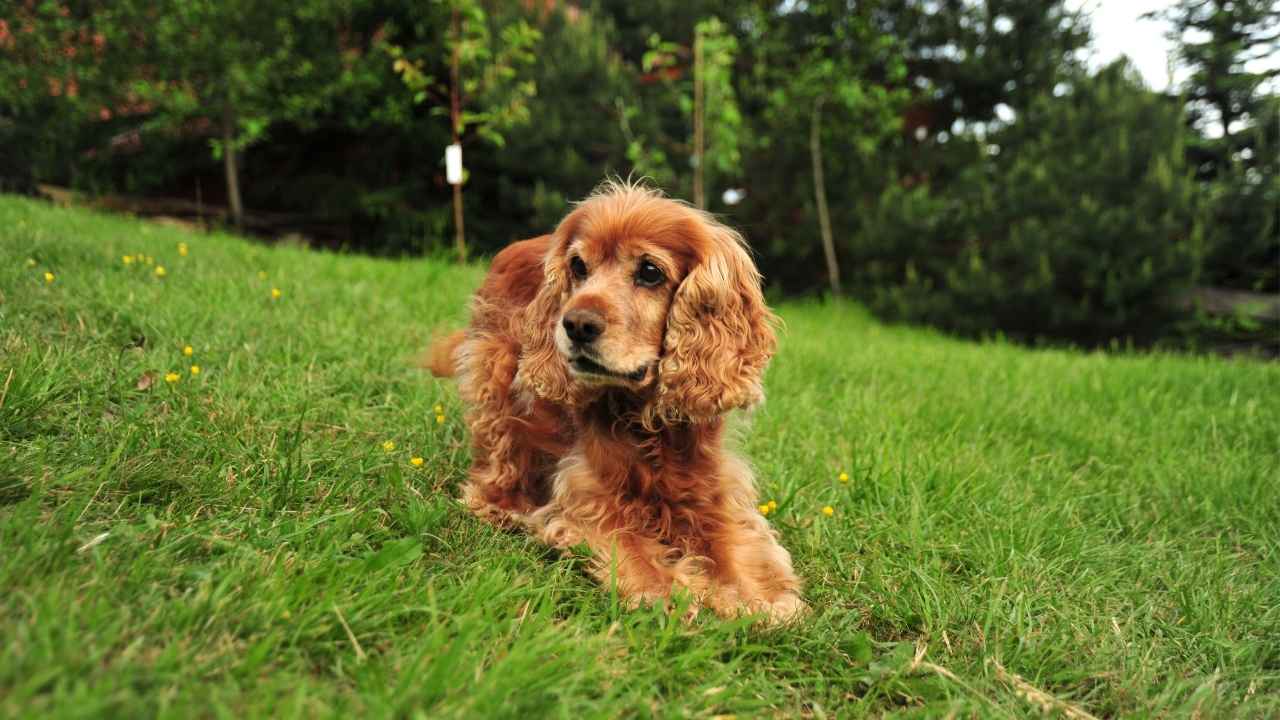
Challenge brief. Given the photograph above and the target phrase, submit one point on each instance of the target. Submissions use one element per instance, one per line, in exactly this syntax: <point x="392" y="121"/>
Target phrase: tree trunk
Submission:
<point x="699" y="109"/>
<point x="820" y="194"/>
<point x="229" y="167"/>
<point x="455" y="120"/>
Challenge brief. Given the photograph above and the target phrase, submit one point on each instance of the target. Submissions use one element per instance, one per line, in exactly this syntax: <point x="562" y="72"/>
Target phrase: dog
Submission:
<point x="597" y="370"/>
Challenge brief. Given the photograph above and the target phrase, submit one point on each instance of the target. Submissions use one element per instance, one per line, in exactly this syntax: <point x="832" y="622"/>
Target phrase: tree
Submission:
<point x="485" y="92"/>
<point x="1219" y="40"/>
<point x="820" y="86"/>
<point x="62" y="74"/>
<point x="1080" y="221"/>
<point x="700" y="80"/>
<point x="1233" y="108"/>
<point x="243" y="64"/>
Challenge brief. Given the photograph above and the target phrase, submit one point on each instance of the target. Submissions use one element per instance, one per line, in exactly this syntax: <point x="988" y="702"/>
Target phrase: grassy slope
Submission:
<point x="1105" y="527"/>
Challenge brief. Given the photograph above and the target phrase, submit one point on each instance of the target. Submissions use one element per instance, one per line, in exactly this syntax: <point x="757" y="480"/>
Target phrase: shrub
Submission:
<point x="1082" y="224"/>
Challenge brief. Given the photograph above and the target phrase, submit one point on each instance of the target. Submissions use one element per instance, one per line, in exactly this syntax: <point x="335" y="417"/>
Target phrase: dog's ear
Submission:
<point x="541" y="367"/>
<point x="719" y="333"/>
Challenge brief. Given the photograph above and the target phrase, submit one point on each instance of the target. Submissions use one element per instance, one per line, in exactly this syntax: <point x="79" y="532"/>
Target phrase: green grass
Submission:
<point x="240" y="544"/>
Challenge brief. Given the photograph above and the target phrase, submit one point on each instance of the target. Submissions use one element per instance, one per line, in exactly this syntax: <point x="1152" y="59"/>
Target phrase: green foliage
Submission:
<point x="836" y="53"/>
<point x="262" y="62"/>
<point x="1233" y="107"/>
<point x="1243" y="237"/>
<point x="342" y="103"/>
<point x="1086" y="226"/>
<point x="60" y="76"/>
<point x="493" y="56"/>
<point x="239" y="543"/>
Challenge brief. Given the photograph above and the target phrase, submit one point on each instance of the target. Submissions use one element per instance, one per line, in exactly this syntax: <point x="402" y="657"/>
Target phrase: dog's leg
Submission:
<point x="505" y="471"/>
<point x="752" y="570"/>
<point x="641" y="568"/>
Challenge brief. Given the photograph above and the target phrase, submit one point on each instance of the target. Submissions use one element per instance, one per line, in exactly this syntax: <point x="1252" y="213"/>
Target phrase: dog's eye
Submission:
<point x="649" y="275"/>
<point x="577" y="267"/>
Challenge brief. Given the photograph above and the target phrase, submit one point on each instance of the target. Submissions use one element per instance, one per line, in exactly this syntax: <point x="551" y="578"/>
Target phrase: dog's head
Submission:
<point x="648" y="294"/>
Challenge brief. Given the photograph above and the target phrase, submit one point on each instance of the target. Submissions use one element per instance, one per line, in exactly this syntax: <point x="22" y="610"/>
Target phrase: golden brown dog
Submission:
<point x="598" y="368"/>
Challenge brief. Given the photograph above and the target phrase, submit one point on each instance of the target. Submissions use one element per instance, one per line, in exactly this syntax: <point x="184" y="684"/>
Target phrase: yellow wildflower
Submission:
<point x="182" y="249"/>
<point x="31" y="262"/>
<point x="127" y="259"/>
<point x="172" y="377"/>
<point x="48" y="278"/>
<point x="389" y="445"/>
<point x="195" y="369"/>
<point x="187" y="350"/>
<point x="439" y="409"/>
<point x="275" y="293"/>
<point x="828" y="510"/>
<point x="416" y="462"/>
<point x="439" y="419"/>
<point x="844" y="477"/>
<point x="160" y="271"/>
<point x="773" y="505"/>
<point x="764" y="509"/>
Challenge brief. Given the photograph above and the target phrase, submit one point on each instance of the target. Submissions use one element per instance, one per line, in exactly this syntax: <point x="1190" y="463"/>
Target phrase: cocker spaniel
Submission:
<point x="597" y="369"/>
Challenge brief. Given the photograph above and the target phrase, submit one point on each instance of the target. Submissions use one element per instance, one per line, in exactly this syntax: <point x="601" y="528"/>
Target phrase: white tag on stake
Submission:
<point x="453" y="164"/>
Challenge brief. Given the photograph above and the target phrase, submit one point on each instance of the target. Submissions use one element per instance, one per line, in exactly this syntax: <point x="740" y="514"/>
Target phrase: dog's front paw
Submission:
<point x="785" y="609"/>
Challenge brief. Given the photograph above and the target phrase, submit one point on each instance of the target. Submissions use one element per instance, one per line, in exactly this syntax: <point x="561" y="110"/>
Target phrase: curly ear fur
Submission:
<point x="719" y="334"/>
<point x="541" y="367"/>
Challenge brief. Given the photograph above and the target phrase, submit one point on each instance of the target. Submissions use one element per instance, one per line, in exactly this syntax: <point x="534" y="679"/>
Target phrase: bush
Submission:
<point x="1081" y="224"/>
<point x="1243" y="237"/>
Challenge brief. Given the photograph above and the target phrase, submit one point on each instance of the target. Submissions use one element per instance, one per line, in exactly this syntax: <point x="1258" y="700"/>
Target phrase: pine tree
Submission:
<point x="1233" y="107"/>
<point x="1084" y="224"/>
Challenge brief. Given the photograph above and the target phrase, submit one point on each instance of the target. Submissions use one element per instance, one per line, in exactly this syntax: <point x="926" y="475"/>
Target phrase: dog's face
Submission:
<point x="648" y="294"/>
<point x="612" y="326"/>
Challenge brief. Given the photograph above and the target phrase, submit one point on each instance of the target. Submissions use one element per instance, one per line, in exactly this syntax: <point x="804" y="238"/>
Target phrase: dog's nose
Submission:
<point x="583" y="326"/>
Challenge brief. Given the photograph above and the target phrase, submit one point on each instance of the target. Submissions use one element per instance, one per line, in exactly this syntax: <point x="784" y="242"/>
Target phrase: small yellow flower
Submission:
<point x="764" y="509"/>
<point x="262" y="274"/>
<point x="773" y="505"/>
<point x="828" y="510"/>
<point x="182" y="249"/>
<point x="48" y="278"/>
<point x="399" y="65"/>
<point x="275" y="293"/>
<point x="439" y="419"/>
<point x="160" y="271"/>
<point x="188" y="350"/>
<point x="195" y="369"/>
<point x="439" y="409"/>
<point x="172" y="377"/>
<point x="416" y="462"/>
<point x="389" y="445"/>
<point x="127" y="259"/>
<point x="844" y="477"/>
<point x="31" y="262"/>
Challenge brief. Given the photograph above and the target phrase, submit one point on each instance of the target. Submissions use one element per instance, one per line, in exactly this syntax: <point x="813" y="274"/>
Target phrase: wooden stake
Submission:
<point x="229" y="166"/>
<point x="455" y="116"/>
<point x="820" y="193"/>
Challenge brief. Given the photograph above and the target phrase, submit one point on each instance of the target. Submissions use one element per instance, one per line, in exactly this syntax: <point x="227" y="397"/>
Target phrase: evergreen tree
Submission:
<point x="1233" y="108"/>
<point x="1082" y="223"/>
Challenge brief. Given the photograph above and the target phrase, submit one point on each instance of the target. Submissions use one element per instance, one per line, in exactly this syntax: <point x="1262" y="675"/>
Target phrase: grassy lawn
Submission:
<point x="1018" y="528"/>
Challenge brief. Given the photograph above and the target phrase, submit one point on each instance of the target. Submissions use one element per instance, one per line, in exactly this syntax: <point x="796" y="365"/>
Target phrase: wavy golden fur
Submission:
<point x="598" y="368"/>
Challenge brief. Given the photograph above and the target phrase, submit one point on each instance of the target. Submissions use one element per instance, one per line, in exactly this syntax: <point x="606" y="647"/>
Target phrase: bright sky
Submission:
<point x="1118" y="29"/>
